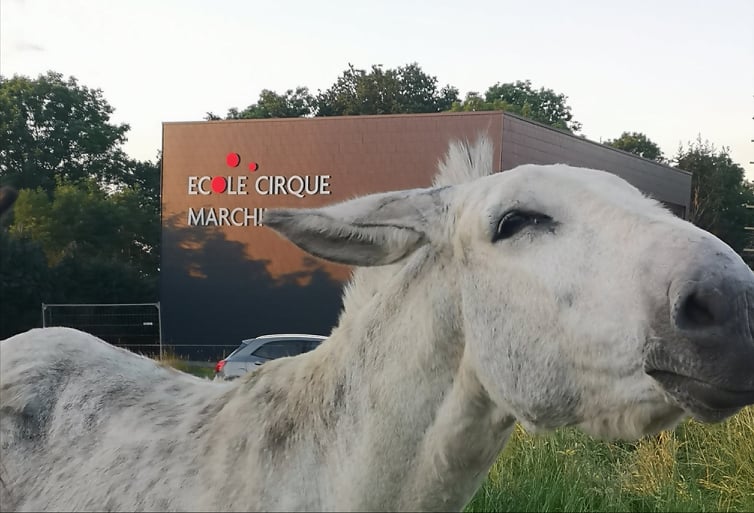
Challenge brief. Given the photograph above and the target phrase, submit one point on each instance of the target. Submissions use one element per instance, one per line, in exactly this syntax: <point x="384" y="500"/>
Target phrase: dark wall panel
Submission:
<point x="526" y="142"/>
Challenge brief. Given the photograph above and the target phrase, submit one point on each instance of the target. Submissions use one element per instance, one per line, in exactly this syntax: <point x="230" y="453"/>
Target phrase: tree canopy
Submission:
<point x="291" y="104"/>
<point x="405" y="89"/>
<point x="402" y="90"/>
<point x="54" y="130"/>
<point x="86" y="224"/>
<point x="638" y="144"/>
<point x="719" y="192"/>
<point x="542" y="105"/>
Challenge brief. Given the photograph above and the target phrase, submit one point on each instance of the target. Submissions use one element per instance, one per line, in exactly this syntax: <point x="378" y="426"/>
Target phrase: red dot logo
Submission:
<point x="232" y="159"/>
<point x="219" y="184"/>
<point x="253" y="166"/>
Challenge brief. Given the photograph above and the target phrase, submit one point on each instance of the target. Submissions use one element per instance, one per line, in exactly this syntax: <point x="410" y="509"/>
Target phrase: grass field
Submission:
<point x="696" y="467"/>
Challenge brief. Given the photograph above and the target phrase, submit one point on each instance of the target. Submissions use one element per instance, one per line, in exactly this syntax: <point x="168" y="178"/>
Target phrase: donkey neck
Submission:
<point x="421" y="430"/>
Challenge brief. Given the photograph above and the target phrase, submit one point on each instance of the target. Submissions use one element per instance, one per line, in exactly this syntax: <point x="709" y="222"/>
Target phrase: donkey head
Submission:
<point x="582" y="301"/>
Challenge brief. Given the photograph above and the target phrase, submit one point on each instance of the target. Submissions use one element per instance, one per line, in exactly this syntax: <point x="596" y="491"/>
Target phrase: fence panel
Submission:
<point x="133" y="326"/>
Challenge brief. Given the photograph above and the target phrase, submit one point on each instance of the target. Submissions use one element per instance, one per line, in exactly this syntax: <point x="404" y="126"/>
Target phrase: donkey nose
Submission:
<point x="704" y="304"/>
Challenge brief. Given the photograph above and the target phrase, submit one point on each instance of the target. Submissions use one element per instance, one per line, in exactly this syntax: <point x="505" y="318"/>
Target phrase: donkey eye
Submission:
<point x="514" y="221"/>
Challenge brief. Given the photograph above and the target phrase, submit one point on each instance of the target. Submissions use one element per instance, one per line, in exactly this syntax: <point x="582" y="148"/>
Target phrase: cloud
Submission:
<point x="29" y="47"/>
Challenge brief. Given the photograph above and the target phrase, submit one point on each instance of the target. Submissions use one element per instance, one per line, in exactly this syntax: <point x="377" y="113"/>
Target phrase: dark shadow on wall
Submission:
<point x="212" y="295"/>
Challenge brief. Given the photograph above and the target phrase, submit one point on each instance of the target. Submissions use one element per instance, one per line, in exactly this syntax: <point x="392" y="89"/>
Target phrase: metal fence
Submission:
<point x="133" y="326"/>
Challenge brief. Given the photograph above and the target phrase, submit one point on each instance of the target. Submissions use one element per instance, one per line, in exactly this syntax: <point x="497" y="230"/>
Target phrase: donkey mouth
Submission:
<point x="705" y="401"/>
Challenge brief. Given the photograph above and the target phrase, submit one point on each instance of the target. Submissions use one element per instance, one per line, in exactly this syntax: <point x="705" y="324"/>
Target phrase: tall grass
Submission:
<point x="693" y="468"/>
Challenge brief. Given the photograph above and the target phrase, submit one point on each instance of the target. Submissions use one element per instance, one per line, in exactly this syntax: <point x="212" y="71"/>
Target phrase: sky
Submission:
<point x="674" y="70"/>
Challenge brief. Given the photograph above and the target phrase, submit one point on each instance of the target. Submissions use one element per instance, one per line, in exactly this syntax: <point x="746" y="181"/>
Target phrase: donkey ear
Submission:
<point x="377" y="229"/>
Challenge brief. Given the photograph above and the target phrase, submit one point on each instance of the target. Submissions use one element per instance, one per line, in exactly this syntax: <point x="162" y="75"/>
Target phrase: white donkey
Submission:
<point x="547" y="295"/>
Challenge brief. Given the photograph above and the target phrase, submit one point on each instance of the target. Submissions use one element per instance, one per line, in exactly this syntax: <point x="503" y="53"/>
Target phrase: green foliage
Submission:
<point x="693" y="468"/>
<point x="291" y="104"/>
<point x="98" y="279"/>
<point x="140" y="197"/>
<point x="55" y="130"/>
<point x="719" y="192"/>
<point x="405" y="89"/>
<point x="78" y="220"/>
<point x="82" y="245"/>
<point x="24" y="283"/>
<point x="86" y="225"/>
<point x="638" y="144"/>
<point x="543" y="105"/>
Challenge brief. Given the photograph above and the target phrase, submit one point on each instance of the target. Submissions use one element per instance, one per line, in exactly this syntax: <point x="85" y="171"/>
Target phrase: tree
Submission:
<point x="543" y="105"/>
<point x="292" y="104"/>
<point x="406" y="89"/>
<point x="83" y="244"/>
<point x="638" y="144"/>
<point x="719" y="192"/>
<point x="140" y="196"/>
<point x="80" y="245"/>
<point x="85" y="221"/>
<point x="24" y="283"/>
<point x="54" y="130"/>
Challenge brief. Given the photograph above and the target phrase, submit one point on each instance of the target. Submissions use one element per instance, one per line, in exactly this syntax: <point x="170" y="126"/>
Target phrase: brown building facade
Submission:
<point x="225" y="278"/>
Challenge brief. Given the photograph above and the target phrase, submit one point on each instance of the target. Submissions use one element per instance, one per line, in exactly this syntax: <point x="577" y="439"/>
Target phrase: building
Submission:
<point x="224" y="277"/>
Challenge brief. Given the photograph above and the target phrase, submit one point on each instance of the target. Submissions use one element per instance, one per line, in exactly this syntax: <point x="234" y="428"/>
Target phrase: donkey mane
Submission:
<point x="465" y="162"/>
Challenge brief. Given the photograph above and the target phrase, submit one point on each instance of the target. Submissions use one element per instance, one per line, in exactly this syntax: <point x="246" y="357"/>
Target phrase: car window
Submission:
<point x="244" y="350"/>
<point x="279" y="349"/>
<point x="312" y="344"/>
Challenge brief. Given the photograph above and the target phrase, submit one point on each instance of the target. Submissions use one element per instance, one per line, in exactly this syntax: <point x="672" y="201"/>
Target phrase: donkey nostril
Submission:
<point x="695" y="313"/>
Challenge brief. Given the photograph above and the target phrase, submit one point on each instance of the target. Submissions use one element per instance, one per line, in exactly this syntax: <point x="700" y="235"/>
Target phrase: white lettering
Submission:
<point x="324" y="184"/>
<point x="223" y="216"/>
<point x="196" y="219"/>
<point x="192" y="186"/>
<point x="233" y="219"/>
<point x="239" y="216"/>
<point x="279" y="185"/>
<point x="258" y="184"/>
<point x="296" y="190"/>
<point x="241" y="186"/>
<point x="296" y="185"/>
<point x="202" y="181"/>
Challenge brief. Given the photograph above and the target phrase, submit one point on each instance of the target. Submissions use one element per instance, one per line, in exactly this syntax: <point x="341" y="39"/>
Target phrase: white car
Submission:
<point x="256" y="351"/>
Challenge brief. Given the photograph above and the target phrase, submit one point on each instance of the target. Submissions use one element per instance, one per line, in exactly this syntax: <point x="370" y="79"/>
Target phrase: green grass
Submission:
<point x="173" y="360"/>
<point x="694" y="468"/>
